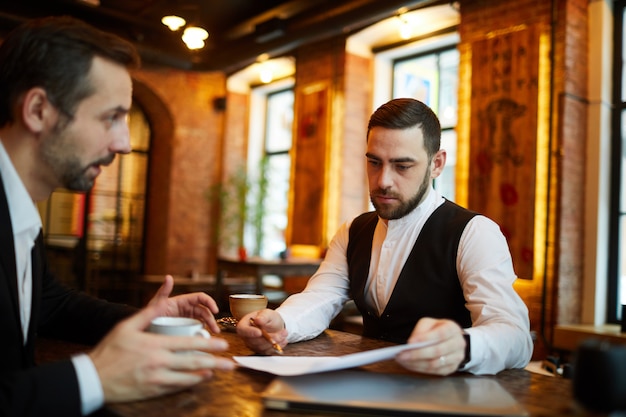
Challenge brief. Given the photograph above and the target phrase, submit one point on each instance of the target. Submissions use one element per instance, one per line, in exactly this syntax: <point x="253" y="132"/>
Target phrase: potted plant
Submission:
<point x="240" y="207"/>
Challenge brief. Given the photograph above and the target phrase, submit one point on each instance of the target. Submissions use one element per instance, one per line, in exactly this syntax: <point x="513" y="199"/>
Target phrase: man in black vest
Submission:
<point x="420" y="268"/>
<point x="65" y="92"/>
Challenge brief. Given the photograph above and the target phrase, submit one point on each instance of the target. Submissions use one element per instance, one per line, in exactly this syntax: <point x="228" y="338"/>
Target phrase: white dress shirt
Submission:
<point x="500" y="332"/>
<point x="26" y="224"/>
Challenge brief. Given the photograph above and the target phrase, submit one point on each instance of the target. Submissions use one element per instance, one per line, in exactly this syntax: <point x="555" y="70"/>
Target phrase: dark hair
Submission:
<point x="404" y="113"/>
<point x="56" y="54"/>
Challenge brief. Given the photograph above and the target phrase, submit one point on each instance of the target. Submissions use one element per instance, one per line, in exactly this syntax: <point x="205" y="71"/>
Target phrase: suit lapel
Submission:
<point x="8" y="269"/>
<point x="38" y="260"/>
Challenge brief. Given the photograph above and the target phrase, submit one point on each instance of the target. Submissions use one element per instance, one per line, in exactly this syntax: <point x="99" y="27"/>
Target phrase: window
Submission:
<point x="617" y="230"/>
<point x="270" y="164"/>
<point x="116" y="204"/>
<point x="102" y="230"/>
<point x="432" y="77"/>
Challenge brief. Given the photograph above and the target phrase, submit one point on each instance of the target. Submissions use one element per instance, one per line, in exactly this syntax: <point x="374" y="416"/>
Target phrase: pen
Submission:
<point x="269" y="338"/>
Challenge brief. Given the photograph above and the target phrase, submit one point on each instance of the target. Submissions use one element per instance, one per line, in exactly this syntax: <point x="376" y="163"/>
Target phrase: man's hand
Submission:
<point x="196" y="305"/>
<point x="133" y="364"/>
<point x="441" y="358"/>
<point x="268" y="320"/>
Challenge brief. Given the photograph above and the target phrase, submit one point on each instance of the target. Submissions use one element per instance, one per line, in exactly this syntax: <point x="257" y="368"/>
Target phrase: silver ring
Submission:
<point x="442" y="360"/>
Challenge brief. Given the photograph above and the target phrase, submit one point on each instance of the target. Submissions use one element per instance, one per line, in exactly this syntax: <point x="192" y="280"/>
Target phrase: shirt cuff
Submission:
<point x="91" y="394"/>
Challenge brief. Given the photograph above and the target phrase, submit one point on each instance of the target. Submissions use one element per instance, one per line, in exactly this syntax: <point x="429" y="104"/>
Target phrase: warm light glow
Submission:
<point x="542" y="182"/>
<point x="173" y="22"/>
<point x="405" y="29"/>
<point x="265" y="68"/>
<point x="265" y="73"/>
<point x="194" y="37"/>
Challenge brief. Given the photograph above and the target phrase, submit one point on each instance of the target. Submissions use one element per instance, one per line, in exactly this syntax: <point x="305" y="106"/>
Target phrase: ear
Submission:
<point x="438" y="163"/>
<point x="38" y="113"/>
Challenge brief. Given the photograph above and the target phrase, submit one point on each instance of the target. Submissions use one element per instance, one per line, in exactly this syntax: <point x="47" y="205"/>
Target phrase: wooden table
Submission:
<point x="238" y="393"/>
<point x="258" y="267"/>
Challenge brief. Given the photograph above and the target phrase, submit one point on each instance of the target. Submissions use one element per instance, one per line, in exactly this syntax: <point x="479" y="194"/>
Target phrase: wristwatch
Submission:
<point x="468" y="351"/>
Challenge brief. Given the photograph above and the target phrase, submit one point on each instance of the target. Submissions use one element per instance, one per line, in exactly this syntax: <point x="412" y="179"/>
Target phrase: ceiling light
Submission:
<point x="405" y="29"/>
<point x="194" y="37"/>
<point x="266" y="74"/>
<point x="173" y="22"/>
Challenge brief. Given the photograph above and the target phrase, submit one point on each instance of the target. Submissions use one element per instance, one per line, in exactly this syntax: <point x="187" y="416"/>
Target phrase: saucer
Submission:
<point x="228" y="323"/>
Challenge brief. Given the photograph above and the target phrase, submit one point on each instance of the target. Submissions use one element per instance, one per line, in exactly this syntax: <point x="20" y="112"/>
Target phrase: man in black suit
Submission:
<point x="65" y="92"/>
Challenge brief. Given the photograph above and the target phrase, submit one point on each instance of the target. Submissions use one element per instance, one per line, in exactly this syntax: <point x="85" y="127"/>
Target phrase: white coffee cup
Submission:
<point x="178" y="326"/>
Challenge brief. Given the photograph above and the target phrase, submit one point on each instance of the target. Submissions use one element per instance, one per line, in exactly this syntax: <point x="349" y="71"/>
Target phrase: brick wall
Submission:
<point x="183" y="166"/>
<point x="571" y="90"/>
<point x="553" y="295"/>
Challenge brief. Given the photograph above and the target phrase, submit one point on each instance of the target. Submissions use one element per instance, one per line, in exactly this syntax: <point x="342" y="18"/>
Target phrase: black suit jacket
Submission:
<point x="57" y="311"/>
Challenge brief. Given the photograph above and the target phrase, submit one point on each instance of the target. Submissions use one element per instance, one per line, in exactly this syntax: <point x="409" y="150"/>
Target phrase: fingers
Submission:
<point x="268" y="320"/>
<point x="141" y="320"/>
<point x="191" y="361"/>
<point x="197" y="305"/>
<point x="164" y="290"/>
<point x="440" y="358"/>
<point x="418" y="360"/>
<point x="187" y="302"/>
<point x="183" y="370"/>
<point x="133" y="364"/>
<point x="187" y="343"/>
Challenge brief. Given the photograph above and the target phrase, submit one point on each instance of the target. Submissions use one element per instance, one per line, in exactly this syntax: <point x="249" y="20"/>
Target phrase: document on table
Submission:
<point x="301" y="365"/>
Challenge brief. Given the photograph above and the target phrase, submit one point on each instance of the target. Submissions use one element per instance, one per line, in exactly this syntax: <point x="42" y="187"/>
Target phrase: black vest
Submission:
<point x="428" y="285"/>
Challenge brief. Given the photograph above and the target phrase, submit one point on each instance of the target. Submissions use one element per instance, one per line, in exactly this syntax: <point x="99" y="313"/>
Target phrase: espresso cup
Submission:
<point x="242" y="304"/>
<point x="178" y="326"/>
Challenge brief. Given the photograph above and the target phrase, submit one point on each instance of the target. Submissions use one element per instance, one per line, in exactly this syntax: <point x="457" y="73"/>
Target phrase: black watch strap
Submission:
<point x="468" y="351"/>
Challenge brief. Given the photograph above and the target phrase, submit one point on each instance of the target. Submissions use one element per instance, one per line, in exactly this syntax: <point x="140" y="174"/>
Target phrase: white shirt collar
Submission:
<point x="22" y="210"/>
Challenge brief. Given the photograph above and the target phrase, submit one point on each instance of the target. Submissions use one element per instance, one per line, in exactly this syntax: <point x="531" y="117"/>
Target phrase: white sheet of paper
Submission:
<point x="300" y="365"/>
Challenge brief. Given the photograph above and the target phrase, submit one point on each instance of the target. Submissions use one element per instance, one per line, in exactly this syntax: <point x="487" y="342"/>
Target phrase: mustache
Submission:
<point x="379" y="192"/>
<point x="106" y="161"/>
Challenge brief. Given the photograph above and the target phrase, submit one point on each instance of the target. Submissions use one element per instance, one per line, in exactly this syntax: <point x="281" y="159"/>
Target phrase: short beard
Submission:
<point x="75" y="178"/>
<point x="405" y="207"/>
<point x="59" y="153"/>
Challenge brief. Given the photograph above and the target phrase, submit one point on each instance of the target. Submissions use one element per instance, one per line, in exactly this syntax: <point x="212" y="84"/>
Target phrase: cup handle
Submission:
<point x="203" y="333"/>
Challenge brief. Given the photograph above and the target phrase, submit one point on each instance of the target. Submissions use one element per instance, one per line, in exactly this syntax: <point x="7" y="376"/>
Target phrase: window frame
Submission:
<point x="257" y="150"/>
<point x="616" y="215"/>
<point x="437" y="51"/>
